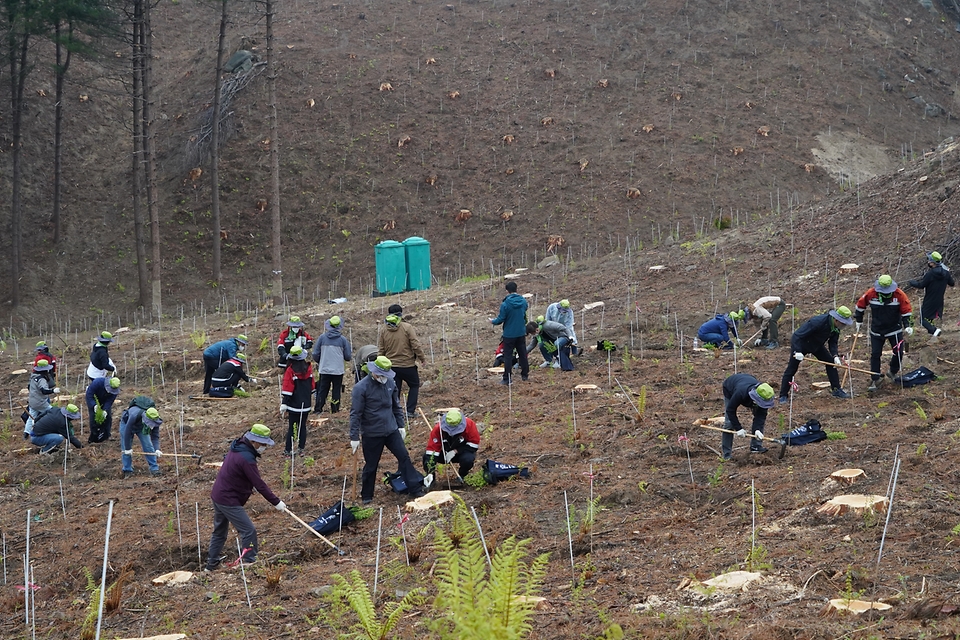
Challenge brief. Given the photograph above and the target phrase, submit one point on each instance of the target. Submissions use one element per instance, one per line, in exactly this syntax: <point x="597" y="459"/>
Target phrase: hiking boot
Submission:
<point x="505" y="382"/>
<point x="840" y="393"/>
<point x="772" y="345"/>
<point x="555" y="364"/>
<point x="545" y="364"/>
<point x="155" y="473"/>
<point x="127" y="474"/>
<point x="419" y="492"/>
<point x="758" y="449"/>
<point x="875" y="384"/>
<point x="524" y="378"/>
<point x="366" y="500"/>
<point x="783" y="400"/>
<point x="300" y="453"/>
<point x="318" y="408"/>
<point x="726" y="458"/>
<point x="50" y="451"/>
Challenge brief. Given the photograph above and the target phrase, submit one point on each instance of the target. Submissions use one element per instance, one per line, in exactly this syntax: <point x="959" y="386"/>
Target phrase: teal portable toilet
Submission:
<point x="418" y="263"/>
<point x="391" y="267"/>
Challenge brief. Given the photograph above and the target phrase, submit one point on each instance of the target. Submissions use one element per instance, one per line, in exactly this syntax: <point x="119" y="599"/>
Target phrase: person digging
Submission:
<point x="891" y="319"/>
<point x="54" y="426"/>
<point x="142" y="420"/>
<point x="235" y="482"/>
<point x="744" y="390"/>
<point x="818" y="337"/>
<point x="454" y="439"/>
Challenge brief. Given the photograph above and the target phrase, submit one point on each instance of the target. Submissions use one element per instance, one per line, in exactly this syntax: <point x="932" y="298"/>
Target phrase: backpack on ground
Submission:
<point x="810" y="432"/>
<point x="332" y="519"/>
<point x="396" y="482"/>
<point x="915" y="378"/>
<point x="494" y="472"/>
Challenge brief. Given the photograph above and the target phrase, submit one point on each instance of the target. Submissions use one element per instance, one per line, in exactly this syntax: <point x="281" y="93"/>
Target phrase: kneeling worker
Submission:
<point x="454" y="439"/>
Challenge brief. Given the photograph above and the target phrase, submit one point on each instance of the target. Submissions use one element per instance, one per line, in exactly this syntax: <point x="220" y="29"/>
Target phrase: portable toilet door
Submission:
<point x="418" y="263"/>
<point x="391" y="267"/>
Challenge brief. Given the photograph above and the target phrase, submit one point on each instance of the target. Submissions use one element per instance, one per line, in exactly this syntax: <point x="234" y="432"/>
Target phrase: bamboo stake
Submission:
<point x="343" y="494"/>
<point x="566" y="510"/>
<point x="26" y="578"/>
<point x="403" y="533"/>
<point x="376" y="570"/>
<point x="847" y="370"/>
<point x="103" y="571"/>
<point x="63" y="504"/>
<point x="482" y="540"/>
<point x="196" y="507"/>
<point x="243" y="573"/>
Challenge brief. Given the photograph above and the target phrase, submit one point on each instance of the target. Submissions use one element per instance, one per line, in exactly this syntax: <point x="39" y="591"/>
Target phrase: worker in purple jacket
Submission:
<point x="235" y="482"/>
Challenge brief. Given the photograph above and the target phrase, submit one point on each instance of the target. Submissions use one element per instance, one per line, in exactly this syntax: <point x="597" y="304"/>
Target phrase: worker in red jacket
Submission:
<point x="453" y="440"/>
<point x="43" y="353"/>
<point x="891" y="318"/>
<point x="292" y="336"/>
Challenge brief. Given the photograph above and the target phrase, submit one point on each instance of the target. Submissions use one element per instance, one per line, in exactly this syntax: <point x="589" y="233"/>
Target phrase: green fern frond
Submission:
<point x="357" y="595"/>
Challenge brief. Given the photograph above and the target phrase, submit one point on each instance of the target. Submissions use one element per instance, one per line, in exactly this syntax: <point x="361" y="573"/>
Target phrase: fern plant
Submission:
<point x="356" y="593"/>
<point x="480" y="604"/>
<point x="198" y="338"/>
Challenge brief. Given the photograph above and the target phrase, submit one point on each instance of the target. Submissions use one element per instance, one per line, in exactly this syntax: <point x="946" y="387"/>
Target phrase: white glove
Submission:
<point x="354" y="445"/>
<point x="281" y="506"/>
<point x="449" y="456"/>
<point x="253" y="381"/>
<point x="758" y="435"/>
<point x="837" y="361"/>
<point x="908" y="331"/>
<point x="798" y="356"/>
<point x="158" y="452"/>
<point x="858" y="325"/>
<point x="757" y="342"/>
<point x="56" y="390"/>
<point x="741" y="433"/>
<point x="403" y="433"/>
<point x="739" y="342"/>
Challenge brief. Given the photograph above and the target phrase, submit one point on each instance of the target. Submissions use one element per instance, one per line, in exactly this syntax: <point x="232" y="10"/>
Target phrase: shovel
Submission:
<point x="840" y="366"/>
<point x="176" y="455"/>
<point x="314" y="531"/>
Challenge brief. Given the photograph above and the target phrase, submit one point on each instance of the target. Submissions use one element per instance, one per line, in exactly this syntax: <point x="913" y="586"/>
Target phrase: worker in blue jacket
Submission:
<point x="744" y="390"/>
<point x="218" y="353"/>
<point x="716" y="331"/>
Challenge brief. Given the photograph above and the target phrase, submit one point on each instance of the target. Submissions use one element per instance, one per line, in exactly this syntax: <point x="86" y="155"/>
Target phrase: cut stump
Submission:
<point x="174" y="577"/>
<point x="840" y="605"/>
<point x="848" y="476"/>
<point x="855" y="502"/>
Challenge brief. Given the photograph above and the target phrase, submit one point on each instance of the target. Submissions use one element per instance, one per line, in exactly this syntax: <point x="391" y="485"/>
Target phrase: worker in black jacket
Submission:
<point x="743" y="390"/>
<point x="54" y="426"/>
<point x="819" y="336"/>
<point x="934" y="283"/>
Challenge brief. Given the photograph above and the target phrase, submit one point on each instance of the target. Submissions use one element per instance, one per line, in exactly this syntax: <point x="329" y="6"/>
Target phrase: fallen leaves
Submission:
<point x="633" y="193"/>
<point x="310" y="103"/>
<point x="676" y="95"/>
<point x="431" y="180"/>
<point x="386" y="86"/>
<point x="389" y="225"/>
<point x="510" y="171"/>
<point x="547" y="121"/>
<point x="554" y="243"/>
<point x="463" y="215"/>
<point x="431" y="61"/>
<point x="265" y="144"/>
<point x="404" y="141"/>
<point x="583" y="164"/>
<point x="506" y="215"/>
<point x="809" y="167"/>
<point x="737" y="151"/>
<point x="550" y="73"/>
<point x="647" y="128"/>
<point x="195" y="174"/>
<point x="453" y="95"/>
<point x="764" y="131"/>
<point x="84" y="97"/>
<point x="603" y="83"/>
<point x="261" y="205"/>
<point x="508" y="139"/>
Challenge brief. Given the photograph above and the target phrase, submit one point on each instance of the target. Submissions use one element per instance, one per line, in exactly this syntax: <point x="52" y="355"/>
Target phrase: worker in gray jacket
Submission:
<point x="554" y="341"/>
<point x="376" y="421"/>
<point x="330" y="351"/>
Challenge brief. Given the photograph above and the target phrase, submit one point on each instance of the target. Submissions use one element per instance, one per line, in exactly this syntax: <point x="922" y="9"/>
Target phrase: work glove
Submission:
<point x="908" y="331"/>
<point x="76" y="442"/>
<point x="449" y="456"/>
<point x="283" y="411"/>
<point x="798" y="356"/>
<point x="758" y="435"/>
<point x="857" y="326"/>
<point x="56" y="390"/>
<point x="158" y="452"/>
<point x="281" y="506"/>
<point x="757" y="342"/>
<point x="742" y="433"/>
<point x="837" y="361"/>
<point x="354" y="445"/>
<point x="739" y="342"/>
<point x="403" y="433"/>
<point x="253" y="381"/>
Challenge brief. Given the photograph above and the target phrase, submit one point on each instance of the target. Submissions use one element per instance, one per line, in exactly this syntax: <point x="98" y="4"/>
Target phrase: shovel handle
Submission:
<point x="312" y="530"/>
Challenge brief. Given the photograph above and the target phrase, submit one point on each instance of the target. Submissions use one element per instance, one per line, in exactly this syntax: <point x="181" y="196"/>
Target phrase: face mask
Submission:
<point x="261" y="449"/>
<point x="381" y="379"/>
<point x="240" y="348"/>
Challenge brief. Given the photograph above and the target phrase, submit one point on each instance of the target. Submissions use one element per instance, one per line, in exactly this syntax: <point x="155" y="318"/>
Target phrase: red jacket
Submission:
<point x="886" y="318"/>
<point x="296" y="392"/>
<point x="469" y="438"/>
<point x="286" y="341"/>
<point x="50" y="358"/>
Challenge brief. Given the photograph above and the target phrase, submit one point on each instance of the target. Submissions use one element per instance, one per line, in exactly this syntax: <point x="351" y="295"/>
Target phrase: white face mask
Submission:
<point x="381" y="379"/>
<point x="261" y="449"/>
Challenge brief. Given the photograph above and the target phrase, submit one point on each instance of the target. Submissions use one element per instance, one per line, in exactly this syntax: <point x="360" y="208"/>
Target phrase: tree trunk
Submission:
<point x="274" y="161"/>
<point x="149" y="159"/>
<point x="17" y="44"/>
<point x="215" y="145"/>
<point x="137" y="40"/>
<point x="63" y="64"/>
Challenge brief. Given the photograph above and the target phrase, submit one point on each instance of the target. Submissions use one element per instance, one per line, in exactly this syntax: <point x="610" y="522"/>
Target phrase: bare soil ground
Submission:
<point x="670" y="512"/>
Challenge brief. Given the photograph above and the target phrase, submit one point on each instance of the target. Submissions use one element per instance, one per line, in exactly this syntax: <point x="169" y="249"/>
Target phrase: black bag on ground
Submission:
<point x="810" y="432"/>
<point x="395" y="481"/>
<point x="332" y="519"/>
<point x="494" y="472"/>
<point x="915" y="378"/>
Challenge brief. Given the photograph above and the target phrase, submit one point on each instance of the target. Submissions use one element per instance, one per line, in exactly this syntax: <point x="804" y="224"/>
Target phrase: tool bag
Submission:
<point x="915" y="378"/>
<point x="396" y="482"/>
<point x="810" y="432"/>
<point x="494" y="472"/>
<point x="332" y="519"/>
